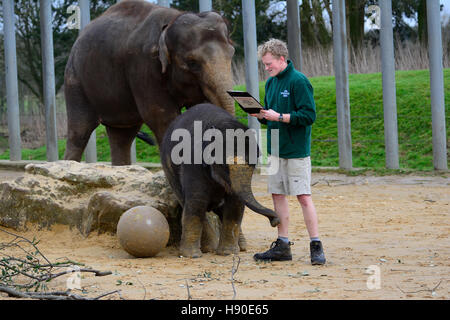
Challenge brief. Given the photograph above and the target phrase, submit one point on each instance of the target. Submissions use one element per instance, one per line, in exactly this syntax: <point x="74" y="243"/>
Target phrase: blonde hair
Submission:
<point x="275" y="47"/>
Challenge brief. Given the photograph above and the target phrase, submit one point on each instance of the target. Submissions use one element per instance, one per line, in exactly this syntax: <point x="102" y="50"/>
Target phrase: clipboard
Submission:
<point x="246" y="101"/>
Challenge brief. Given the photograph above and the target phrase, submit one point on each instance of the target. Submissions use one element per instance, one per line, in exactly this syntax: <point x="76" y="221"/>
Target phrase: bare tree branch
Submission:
<point x="24" y="273"/>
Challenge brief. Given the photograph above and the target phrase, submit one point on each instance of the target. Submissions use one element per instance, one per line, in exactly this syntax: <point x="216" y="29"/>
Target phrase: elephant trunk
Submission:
<point x="216" y="84"/>
<point x="241" y="178"/>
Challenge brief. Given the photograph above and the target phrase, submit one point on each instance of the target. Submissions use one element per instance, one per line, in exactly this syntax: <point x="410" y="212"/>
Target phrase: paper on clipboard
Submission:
<point x="246" y="101"/>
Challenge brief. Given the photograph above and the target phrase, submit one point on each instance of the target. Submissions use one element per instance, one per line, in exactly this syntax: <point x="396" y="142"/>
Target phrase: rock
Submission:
<point x="91" y="197"/>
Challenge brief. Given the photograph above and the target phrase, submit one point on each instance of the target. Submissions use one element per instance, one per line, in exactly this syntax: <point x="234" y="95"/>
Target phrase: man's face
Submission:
<point x="273" y="64"/>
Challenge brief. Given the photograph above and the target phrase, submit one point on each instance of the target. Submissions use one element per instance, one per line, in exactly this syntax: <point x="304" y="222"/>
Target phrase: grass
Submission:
<point x="366" y="100"/>
<point x="144" y="152"/>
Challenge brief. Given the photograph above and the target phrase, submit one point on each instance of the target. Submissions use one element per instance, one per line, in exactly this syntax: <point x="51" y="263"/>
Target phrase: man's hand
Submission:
<point x="270" y="115"/>
<point x="257" y="115"/>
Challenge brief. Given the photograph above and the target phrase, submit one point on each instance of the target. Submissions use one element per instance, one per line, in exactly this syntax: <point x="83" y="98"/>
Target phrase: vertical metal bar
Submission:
<point x="437" y="85"/>
<point x="205" y="5"/>
<point x="293" y="31"/>
<point x="85" y="13"/>
<point x="48" y="71"/>
<point x="342" y="91"/>
<point x="389" y="91"/>
<point x="90" y="151"/>
<point x="164" y="3"/>
<point x="251" y="55"/>
<point x="12" y="91"/>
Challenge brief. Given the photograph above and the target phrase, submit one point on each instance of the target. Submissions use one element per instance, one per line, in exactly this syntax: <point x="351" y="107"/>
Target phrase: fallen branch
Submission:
<point x="428" y="290"/>
<point x="234" y="269"/>
<point x="187" y="287"/>
<point x="145" y="291"/>
<point x="57" y="295"/>
<point x="34" y="271"/>
<point x="32" y="243"/>
<point x="97" y="273"/>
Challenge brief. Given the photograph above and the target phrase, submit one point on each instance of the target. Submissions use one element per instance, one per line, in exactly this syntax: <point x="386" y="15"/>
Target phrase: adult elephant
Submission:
<point x="141" y="63"/>
<point x="211" y="176"/>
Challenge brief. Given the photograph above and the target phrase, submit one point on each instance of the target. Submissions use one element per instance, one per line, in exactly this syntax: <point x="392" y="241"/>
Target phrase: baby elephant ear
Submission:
<point x="221" y="174"/>
<point x="163" y="51"/>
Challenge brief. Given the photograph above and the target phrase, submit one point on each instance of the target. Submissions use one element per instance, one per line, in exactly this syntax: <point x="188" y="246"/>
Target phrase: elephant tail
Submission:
<point x="146" y="138"/>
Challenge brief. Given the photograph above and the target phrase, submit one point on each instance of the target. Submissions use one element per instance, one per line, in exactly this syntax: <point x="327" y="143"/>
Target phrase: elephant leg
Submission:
<point x="120" y="140"/>
<point x="210" y="233"/>
<point x="242" y="241"/>
<point x="232" y="212"/>
<point x="81" y="121"/>
<point x="192" y="226"/>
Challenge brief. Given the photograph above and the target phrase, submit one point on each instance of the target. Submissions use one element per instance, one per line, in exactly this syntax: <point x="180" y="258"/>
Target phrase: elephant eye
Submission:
<point x="193" y="65"/>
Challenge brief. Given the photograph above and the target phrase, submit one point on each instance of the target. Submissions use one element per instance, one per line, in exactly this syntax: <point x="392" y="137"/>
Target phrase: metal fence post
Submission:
<point x="251" y="55"/>
<point x="389" y="90"/>
<point x="342" y="91"/>
<point x="437" y="85"/>
<point x="205" y="5"/>
<point x="294" y="33"/>
<point x="48" y="71"/>
<point x="12" y="91"/>
<point x="164" y="3"/>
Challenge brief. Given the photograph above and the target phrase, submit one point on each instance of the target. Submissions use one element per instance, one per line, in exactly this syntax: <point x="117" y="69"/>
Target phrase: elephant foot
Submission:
<point x="209" y="247"/>
<point x="210" y="233"/>
<point x="190" y="252"/>
<point x="229" y="239"/>
<point x="227" y="250"/>
<point x="190" y="237"/>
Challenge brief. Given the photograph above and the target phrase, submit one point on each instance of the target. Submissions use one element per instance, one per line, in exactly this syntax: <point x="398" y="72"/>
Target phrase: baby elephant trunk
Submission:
<point x="241" y="184"/>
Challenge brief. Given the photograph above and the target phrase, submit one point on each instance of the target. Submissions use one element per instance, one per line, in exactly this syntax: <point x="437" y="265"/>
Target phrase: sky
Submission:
<point x="446" y="4"/>
<point x="445" y="14"/>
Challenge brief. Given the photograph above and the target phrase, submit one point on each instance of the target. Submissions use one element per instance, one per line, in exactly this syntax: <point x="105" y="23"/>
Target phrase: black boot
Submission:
<point x="279" y="251"/>
<point x="317" y="255"/>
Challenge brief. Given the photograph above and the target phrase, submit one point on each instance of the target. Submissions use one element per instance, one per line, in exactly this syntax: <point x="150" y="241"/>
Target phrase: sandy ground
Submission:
<point x="394" y="227"/>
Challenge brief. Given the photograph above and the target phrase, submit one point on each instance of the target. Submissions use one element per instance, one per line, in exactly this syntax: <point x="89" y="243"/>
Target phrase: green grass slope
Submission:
<point x="366" y="103"/>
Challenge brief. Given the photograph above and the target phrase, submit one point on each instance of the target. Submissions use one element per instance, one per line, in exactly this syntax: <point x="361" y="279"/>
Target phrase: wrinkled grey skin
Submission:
<point x="141" y="63"/>
<point x="222" y="188"/>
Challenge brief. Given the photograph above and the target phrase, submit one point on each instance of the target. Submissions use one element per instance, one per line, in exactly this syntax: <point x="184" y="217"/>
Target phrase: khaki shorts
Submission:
<point x="292" y="178"/>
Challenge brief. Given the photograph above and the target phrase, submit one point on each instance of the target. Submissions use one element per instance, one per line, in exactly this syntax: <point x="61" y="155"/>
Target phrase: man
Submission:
<point x="289" y="107"/>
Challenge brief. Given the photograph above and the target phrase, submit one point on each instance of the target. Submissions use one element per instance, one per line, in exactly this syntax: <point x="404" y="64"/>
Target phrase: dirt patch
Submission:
<point x="397" y="225"/>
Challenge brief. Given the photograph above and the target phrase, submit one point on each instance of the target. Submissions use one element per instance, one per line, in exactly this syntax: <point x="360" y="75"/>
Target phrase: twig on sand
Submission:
<point x="429" y="290"/>
<point x="234" y="269"/>
<point x="145" y="291"/>
<point x="56" y="295"/>
<point x="187" y="287"/>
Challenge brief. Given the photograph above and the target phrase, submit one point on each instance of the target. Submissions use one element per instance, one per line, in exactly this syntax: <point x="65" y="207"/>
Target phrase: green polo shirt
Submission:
<point x="291" y="92"/>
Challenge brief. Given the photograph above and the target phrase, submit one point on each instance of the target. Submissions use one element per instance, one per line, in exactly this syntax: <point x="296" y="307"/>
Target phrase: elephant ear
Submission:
<point x="163" y="51"/>
<point x="221" y="174"/>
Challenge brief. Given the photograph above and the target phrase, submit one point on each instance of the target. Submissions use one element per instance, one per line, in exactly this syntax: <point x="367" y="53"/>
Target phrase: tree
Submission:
<point x="355" y="13"/>
<point x="422" y="21"/>
<point x="322" y="33"/>
<point x="232" y="12"/>
<point x="307" y="25"/>
<point x="28" y="41"/>
<point x="411" y="9"/>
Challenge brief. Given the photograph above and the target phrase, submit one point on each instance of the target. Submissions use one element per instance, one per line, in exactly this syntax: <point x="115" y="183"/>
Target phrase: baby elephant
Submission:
<point x="209" y="158"/>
